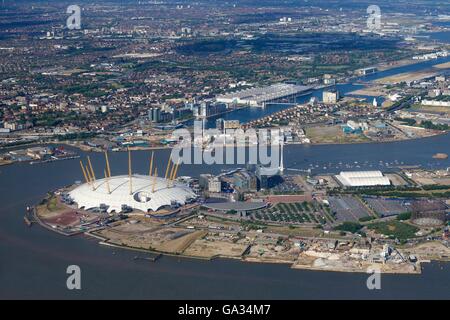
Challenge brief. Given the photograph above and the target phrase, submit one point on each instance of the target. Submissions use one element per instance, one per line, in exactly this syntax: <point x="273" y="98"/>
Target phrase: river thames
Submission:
<point x="34" y="260"/>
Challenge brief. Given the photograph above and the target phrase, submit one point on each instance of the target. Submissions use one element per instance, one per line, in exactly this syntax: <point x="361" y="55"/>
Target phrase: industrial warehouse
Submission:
<point x="131" y="192"/>
<point x="258" y="97"/>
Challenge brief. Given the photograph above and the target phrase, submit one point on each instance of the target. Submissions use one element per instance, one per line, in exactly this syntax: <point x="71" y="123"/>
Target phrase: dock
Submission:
<point x="151" y="258"/>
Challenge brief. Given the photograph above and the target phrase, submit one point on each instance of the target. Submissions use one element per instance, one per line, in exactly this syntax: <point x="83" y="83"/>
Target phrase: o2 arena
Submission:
<point x="131" y="192"/>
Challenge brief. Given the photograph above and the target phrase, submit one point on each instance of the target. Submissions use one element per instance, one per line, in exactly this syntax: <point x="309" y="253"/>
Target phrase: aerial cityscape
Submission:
<point x="247" y="149"/>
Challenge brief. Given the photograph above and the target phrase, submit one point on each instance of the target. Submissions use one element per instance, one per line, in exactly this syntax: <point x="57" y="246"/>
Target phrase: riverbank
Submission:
<point x="443" y="133"/>
<point x="207" y="238"/>
<point x="430" y="134"/>
<point x="304" y="262"/>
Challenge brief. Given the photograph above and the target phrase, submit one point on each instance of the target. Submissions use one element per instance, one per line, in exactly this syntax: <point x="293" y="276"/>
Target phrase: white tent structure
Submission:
<point x="147" y="193"/>
<point x="363" y="179"/>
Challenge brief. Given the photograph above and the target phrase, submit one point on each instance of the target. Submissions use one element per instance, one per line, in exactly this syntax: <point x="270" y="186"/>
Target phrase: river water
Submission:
<point x="34" y="260"/>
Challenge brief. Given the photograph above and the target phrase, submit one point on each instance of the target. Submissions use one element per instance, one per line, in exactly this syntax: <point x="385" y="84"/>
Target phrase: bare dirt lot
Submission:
<point x="332" y="134"/>
<point x="430" y="251"/>
<point x="396" y="179"/>
<point x="151" y="237"/>
<point x="55" y="213"/>
<point x="443" y="65"/>
<point x="209" y="249"/>
<point x="273" y="253"/>
<point x="374" y="91"/>
<point x="424" y="177"/>
<point x="66" y="218"/>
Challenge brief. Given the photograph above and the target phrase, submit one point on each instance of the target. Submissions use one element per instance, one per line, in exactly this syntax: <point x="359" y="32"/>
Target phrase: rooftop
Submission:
<point x="142" y="197"/>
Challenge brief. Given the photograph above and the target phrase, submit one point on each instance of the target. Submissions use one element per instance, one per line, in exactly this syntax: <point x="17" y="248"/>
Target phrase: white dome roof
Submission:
<point x="142" y="198"/>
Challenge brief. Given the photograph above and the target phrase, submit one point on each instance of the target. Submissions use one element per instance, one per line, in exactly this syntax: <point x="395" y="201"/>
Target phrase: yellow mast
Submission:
<point x="154" y="180"/>
<point x="171" y="175"/>
<point x="108" y="168"/>
<point x="90" y="177"/>
<point x="107" y="182"/>
<point x="84" y="173"/>
<point x="86" y="169"/>
<point x="92" y="169"/>
<point x="167" y="170"/>
<point x="151" y="165"/>
<point x="174" y="174"/>
<point x="129" y="171"/>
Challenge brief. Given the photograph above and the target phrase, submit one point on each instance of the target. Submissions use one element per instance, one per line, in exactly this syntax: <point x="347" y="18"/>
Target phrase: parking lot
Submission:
<point x="388" y="207"/>
<point x="347" y="208"/>
<point x="288" y="185"/>
<point x="304" y="212"/>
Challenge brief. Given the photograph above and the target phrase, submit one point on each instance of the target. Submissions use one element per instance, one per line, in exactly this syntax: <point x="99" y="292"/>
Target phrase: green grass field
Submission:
<point x="394" y="229"/>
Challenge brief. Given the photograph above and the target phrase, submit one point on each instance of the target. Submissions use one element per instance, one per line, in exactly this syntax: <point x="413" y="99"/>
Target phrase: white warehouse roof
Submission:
<point x="142" y="197"/>
<point x="258" y="95"/>
<point x="363" y="179"/>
